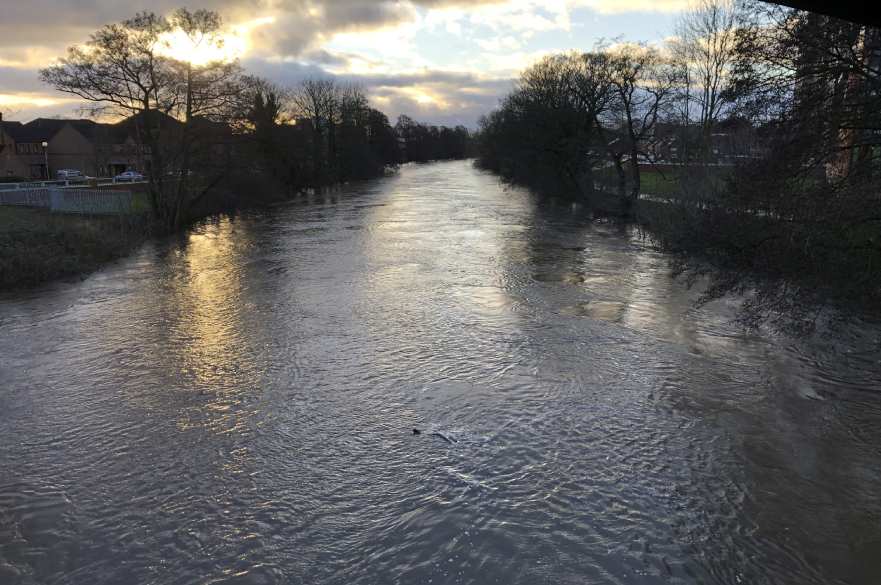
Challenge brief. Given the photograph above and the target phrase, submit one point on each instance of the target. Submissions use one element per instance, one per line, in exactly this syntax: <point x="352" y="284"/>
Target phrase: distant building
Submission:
<point x="93" y="148"/>
<point x="732" y="140"/>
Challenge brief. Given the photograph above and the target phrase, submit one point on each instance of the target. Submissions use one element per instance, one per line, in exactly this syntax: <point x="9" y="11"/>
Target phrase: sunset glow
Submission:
<point x="451" y="61"/>
<point x="228" y="45"/>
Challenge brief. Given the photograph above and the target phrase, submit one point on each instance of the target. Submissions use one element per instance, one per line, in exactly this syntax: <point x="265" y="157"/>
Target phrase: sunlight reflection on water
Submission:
<point x="236" y="406"/>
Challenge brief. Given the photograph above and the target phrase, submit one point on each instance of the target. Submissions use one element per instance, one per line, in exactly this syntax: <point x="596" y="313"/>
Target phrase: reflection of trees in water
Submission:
<point x="779" y="462"/>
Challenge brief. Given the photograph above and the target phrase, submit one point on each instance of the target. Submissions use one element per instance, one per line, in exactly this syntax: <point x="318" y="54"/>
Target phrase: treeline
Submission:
<point x="792" y="218"/>
<point x="316" y="134"/>
<point x="321" y="132"/>
<point x="574" y="118"/>
<point x="798" y="225"/>
<point x="423" y="143"/>
<point x="589" y="123"/>
<point x="208" y="134"/>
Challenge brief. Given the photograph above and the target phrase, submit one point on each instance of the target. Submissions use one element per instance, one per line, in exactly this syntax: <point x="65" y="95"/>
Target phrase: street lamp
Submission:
<point x="46" y="157"/>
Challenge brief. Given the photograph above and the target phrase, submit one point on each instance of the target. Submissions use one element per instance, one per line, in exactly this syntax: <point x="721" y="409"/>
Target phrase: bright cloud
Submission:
<point x="623" y="6"/>
<point x="442" y="60"/>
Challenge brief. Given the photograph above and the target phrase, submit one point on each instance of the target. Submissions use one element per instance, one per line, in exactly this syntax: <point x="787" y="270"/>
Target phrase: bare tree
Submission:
<point x="211" y="91"/>
<point x="643" y="84"/>
<point x="125" y="70"/>
<point x="121" y="71"/>
<point x="316" y="100"/>
<point x="705" y="49"/>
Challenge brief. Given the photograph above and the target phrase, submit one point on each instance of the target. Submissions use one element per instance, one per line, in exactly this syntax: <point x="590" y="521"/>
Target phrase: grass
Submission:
<point x="140" y="203"/>
<point x="37" y="246"/>
<point x="655" y="183"/>
<point x="666" y="183"/>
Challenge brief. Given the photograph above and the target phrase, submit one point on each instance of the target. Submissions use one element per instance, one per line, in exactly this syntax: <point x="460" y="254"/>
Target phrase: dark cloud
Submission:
<point x="466" y="96"/>
<point x="302" y="22"/>
<point x="53" y="25"/>
<point x="94" y="13"/>
<point x="322" y="57"/>
<point x="34" y="31"/>
<point x="57" y="23"/>
<point x="299" y="23"/>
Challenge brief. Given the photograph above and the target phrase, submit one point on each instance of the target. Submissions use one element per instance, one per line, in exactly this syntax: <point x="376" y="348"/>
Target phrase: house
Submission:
<point x="96" y="149"/>
<point x="107" y="149"/>
<point x="732" y="140"/>
<point x="7" y="148"/>
<point x="673" y="143"/>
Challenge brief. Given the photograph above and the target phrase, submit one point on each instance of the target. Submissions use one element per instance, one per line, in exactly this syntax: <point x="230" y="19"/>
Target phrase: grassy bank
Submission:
<point x="664" y="180"/>
<point x="37" y="246"/>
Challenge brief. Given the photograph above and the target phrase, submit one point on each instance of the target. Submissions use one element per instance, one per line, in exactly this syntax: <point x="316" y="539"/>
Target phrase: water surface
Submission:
<point x="236" y="406"/>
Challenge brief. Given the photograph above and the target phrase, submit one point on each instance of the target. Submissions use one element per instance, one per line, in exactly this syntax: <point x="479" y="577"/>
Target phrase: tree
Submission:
<point x="210" y="91"/>
<point x="546" y="132"/>
<point x="705" y="51"/>
<point x="799" y="222"/>
<point x="315" y="101"/>
<point x="125" y="70"/>
<point x="643" y="85"/>
<point x="121" y="71"/>
<point x="424" y="143"/>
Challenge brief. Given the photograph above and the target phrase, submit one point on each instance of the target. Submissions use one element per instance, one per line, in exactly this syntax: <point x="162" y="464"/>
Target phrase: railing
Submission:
<point x="32" y="185"/>
<point x="90" y="201"/>
<point x="58" y="200"/>
<point x="91" y="181"/>
<point x="26" y="197"/>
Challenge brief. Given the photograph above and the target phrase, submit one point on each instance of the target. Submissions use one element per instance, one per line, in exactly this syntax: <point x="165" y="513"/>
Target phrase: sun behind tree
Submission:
<point x="199" y="39"/>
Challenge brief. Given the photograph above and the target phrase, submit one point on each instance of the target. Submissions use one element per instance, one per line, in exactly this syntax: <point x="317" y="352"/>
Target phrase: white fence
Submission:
<point x="86" y="201"/>
<point x="26" y="197"/>
<point x="64" y="183"/>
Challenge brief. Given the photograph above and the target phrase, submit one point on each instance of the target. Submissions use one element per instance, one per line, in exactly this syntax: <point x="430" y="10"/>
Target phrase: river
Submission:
<point x="236" y="405"/>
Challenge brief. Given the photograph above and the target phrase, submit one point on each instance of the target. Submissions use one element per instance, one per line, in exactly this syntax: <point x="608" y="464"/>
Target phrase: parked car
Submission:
<point x="69" y="175"/>
<point x="128" y="177"/>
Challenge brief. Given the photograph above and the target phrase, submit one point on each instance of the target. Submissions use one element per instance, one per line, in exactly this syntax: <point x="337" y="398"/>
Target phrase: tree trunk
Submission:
<point x="622" y="178"/>
<point x="183" y="175"/>
<point x="635" y="177"/>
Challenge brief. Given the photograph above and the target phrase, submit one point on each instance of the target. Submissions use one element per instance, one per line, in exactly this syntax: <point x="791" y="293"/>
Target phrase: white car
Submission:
<point x="68" y="175"/>
<point x="128" y="177"/>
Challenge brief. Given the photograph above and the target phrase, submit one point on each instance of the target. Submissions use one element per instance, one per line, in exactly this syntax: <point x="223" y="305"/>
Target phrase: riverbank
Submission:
<point x="790" y="269"/>
<point x="39" y="246"/>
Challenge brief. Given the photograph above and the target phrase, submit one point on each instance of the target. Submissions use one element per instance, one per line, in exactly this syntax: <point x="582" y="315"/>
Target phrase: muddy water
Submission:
<point x="237" y="406"/>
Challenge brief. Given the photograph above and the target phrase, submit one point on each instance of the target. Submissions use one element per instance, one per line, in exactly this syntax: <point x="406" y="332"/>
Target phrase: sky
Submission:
<point x="438" y="61"/>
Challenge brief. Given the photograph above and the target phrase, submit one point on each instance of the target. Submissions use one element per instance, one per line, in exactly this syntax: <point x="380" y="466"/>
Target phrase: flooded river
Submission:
<point x="236" y="406"/>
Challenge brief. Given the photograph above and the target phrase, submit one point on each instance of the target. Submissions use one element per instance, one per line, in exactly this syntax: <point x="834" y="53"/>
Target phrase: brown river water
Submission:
<point x="236" y="405"/>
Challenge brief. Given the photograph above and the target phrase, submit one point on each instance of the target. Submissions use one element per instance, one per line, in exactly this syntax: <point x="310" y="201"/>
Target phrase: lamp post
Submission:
<point x="46" y="158"/>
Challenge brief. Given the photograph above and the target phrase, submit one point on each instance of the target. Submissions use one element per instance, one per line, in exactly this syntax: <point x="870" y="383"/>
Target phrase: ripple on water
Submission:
<point x="237" y="406"/>
<point x="611" y="311"/>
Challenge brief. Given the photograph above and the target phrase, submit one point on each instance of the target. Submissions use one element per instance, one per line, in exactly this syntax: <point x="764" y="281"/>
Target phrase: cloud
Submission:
<point x="499" y="44"/>
<point x="622" y="6"/>
<point x="438" y="96"/>
<point x="23" y="80"/>
<point x="440" y="59"/>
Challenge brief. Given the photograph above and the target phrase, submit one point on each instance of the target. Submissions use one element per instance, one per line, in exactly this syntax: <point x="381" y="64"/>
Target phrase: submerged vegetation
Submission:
<point x="757" y="127"/>
<point x="38" y="245"/>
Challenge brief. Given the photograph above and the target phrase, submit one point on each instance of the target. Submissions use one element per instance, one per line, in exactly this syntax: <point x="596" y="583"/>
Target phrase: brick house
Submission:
<point x="93" y="148"/>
